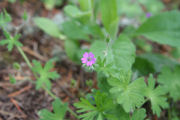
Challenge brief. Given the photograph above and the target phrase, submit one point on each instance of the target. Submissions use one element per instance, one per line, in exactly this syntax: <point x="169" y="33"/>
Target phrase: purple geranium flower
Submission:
<point x="88" y="59"/>
<point x="148" y="15"/>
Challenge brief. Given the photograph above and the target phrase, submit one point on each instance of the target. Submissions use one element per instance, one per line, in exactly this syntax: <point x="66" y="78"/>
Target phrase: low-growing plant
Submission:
<point x="126" y="81"/>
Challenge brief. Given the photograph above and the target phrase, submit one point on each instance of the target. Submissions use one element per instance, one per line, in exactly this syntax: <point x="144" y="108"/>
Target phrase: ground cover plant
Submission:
<point x="130" y="47"/>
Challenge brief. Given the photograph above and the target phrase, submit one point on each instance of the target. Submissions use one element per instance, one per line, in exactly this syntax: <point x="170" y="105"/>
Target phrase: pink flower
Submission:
<point x="148" y="15"/>
<point x="88" y="59"/>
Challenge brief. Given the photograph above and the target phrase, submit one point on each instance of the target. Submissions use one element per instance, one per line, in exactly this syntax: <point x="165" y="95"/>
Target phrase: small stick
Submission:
<point x="37" y="55"/>
<point x="20" y="91"/>
<point x="17" y="106"/>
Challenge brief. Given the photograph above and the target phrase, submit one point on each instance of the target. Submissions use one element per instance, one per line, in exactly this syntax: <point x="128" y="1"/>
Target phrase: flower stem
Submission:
<point x="24" y="56"/>
<point x="44" y="87"/>
<point x="73" y="113"/>
<point x="49" y="92"/>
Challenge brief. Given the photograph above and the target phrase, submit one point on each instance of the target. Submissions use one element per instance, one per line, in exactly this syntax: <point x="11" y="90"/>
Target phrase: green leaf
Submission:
<point x="74" y="30"/>
<point x="159" y="61"/>
<point x="139" y="114"/>
<point x="143" y="45"/>
<point x="163" y="28"/>
<point x="143" y="66"/>
<point x="98" y="48"/>
<point x="25" y="16"/>
<point x="4" y="18"/>
<point x="103" y="104"/>
<point x="94" y="30"/>
<point x="176" y="52"/>
<point x="12" y="79"/>
<point x="16" y="66"/>
<point x="128" y="95"/>
<point x="133" y="9"/>
<point x="118" y="114"/>
<point x="12" y="1"/>
<point x="156" y="95"/>
<point x="73" y="11"/>
<point x="47" y="26"/>
<point x="50" y="4"/>
<point x="11" y="41"/>
<point x="59" y="111"/>
<point x="152" y="6"/>
<point x="44" y="74"/>
<point x="109" y="16"/>
<point x="122" y="54"/>
<point x="85" y="5"/>
<point x="170" y="80"/>
<point x="102" y="82"/>
<point x="71" y="48"/>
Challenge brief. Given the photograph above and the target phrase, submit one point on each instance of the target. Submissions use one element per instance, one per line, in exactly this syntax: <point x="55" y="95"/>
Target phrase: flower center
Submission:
<point x="89" y="59"/>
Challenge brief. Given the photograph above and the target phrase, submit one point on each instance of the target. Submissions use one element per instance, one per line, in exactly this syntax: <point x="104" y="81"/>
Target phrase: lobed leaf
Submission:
<point x="11" y="41"/>
<point x="103" y="105"/>
<point x="170" y="80"/>
<point x="139" y="114"/>
<point x="156" y="95"/>
<point x="128" y="95"/>
<point x="59" y="111"/>
<point x="44" y="74"/>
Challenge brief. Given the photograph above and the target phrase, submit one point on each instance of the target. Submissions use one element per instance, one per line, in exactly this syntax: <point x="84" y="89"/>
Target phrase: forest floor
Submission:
<point x="22" y="101"/>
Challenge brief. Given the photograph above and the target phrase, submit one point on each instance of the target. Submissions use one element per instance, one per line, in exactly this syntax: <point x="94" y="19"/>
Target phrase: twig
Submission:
<point x="20" y="91"/>
<point x="17" y="106"/>
<point x="37" y="55"/>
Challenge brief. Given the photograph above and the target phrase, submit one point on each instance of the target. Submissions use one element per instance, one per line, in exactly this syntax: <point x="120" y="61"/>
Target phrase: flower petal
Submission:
<point x="85" y="55"/>
<point x="93" y="60"/>
<point x="88" y="63"/>
<point x="83" y="58"/>
<point x="91" y="54"/>
<point x="84" y="61"/>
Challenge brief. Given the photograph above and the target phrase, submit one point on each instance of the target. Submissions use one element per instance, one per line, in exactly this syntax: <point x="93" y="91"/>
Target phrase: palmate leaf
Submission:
<point x="118" y="114"/>
<point x="59" y="111"/>
<point x="139" y="114"/>
<point x="128" y="95"/>
<point x="163" y="28"/>
<point x="4" y="18"/>
<point x="44" y="74"/>
<point x="11" y="41"/>
<point x="103" y="104"/>
<point x="170" y="80"/>
<point x="156" y="96"/>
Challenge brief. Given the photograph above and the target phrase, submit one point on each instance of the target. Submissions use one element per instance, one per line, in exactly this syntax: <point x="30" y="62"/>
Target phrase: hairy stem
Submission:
<point x="24" y="56"/>
<point x="49" y="92"/>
